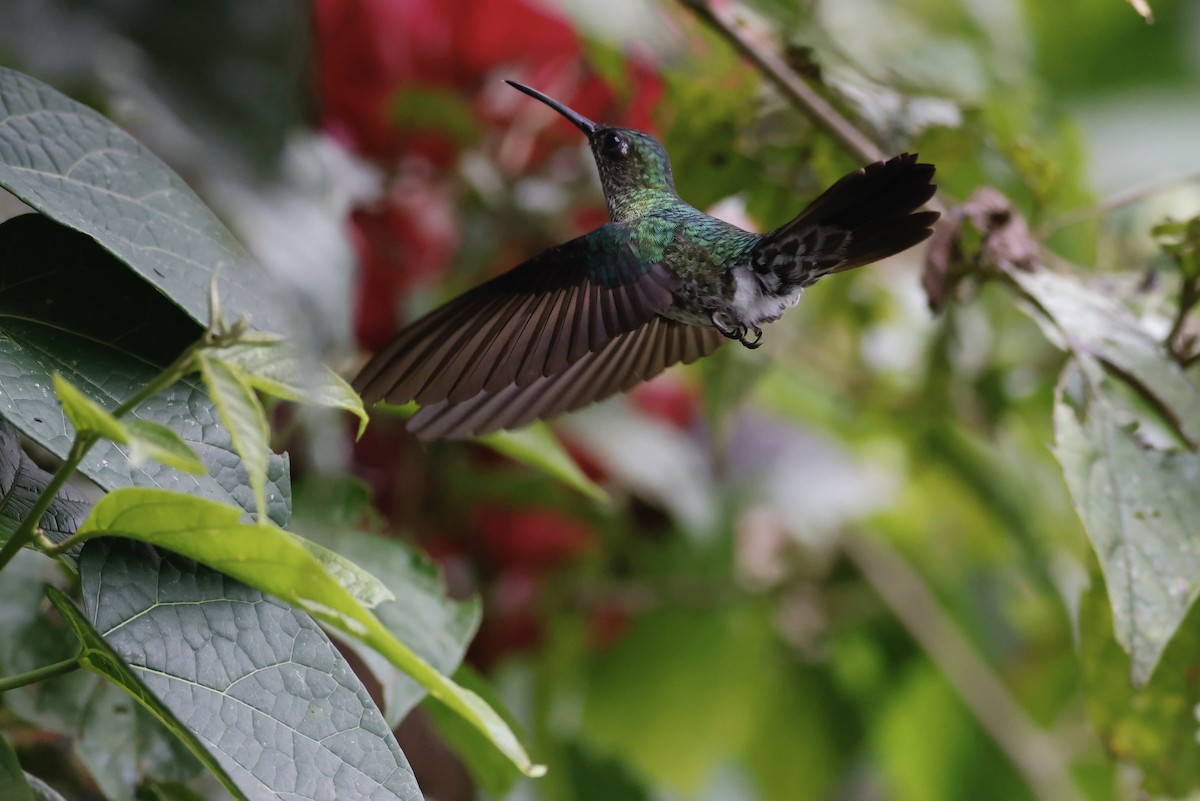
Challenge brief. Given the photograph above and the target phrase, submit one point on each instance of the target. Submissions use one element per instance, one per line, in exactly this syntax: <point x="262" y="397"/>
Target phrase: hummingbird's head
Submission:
<point x="634" y="168"/>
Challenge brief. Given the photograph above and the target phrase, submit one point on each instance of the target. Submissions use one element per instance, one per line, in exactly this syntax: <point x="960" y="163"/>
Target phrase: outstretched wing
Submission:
<point x="531" y="322"/>
<point x="628" y="359"/>
<point x="866" y="216"/>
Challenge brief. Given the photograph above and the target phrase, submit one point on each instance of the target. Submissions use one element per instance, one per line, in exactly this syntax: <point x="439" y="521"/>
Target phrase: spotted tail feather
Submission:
<point x="868" y="215"/>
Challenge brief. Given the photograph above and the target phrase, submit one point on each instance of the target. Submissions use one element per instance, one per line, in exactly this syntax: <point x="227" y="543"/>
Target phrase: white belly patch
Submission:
<point x="753" y="303"/>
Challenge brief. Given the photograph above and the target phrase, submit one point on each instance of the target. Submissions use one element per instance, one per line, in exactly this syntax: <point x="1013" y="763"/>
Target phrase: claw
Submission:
<point x="728" y="325"/>
<point x="733" y="328"/>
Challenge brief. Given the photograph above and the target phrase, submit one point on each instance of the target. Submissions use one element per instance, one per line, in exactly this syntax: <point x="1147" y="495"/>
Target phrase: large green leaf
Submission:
<point x="1141" y="508"/>
<point x="270" y="560"/>
<point x="119" y="744"/>
<point x="76" y="167"/>
<point x="1137" y="500"/>
<point x="68" y="307"/>
<point x="21" y="481"/>
<point x="421" y="615"/>
<point x="254" y="686"/>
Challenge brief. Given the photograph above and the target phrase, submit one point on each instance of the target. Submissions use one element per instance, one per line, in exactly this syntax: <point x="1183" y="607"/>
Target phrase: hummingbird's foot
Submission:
<point x="752" y="344"/>
<point x="733" y="328"/>
<point x="729" y="325"/>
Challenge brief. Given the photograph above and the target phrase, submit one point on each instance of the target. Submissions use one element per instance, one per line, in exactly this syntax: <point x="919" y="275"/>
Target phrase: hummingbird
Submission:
<point x="662" y="283"/>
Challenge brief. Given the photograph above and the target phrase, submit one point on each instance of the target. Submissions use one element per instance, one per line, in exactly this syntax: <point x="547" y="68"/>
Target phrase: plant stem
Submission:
<point x="173" y="372"/>
<point x="1035" y="754"/>
<point x="807" y="99"/>
<point x="1189" y="293"/>
<point x="38" y="674"/>
<point x="792" y="85"/>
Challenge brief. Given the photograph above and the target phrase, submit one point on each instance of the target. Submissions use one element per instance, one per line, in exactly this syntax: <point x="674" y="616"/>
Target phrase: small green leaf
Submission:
<point x="12" y="778"/>
<point x="149" y="440"/>
<point x="146" y="439"/>
<point x="364" y="586"/>
<point x="277" y="369"/>
<point x="263" y="556"/>
<point x="271" y="560"/>
<point x="435" y="110"/>
<point x="1181" y="241"/>
<point x="494" y="774"/>
<point x="536" y="446"/>
<point x="243" y="415"/>
<point x="86" y="415"/>
<point x="337" y="513"/>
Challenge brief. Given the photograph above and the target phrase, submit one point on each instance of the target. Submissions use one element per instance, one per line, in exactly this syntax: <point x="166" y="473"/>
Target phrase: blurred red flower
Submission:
<point x="368" y="49"/>
<point x="371" y="50"/>
<point x="531" y="540"/>
<point x="401" y="82"/>
<point x="407" y="238"/>
<point x="510" y="622"/>
<point x="668" y="398"/>
<point x="606" y="625"/>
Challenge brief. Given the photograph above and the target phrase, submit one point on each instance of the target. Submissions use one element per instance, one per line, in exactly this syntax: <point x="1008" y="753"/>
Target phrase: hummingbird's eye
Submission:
<point x="613" y="144"/>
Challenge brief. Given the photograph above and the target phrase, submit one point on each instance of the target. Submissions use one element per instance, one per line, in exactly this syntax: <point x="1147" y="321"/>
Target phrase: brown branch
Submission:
<point x="1189" y="294"/>
<point x="807" y="99"/>
<point x="1036" y="755"/>
<point x="791" y="84"/>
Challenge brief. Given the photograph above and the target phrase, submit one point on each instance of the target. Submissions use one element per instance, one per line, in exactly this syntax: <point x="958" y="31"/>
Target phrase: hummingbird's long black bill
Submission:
<point x="581" y="122"/>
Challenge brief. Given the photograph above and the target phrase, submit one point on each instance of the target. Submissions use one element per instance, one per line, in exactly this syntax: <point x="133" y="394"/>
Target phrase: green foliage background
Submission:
<point x="884" y="559"/>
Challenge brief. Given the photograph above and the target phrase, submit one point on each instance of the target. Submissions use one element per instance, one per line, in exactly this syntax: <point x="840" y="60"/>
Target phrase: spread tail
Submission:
<point x="866" y="216"/>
